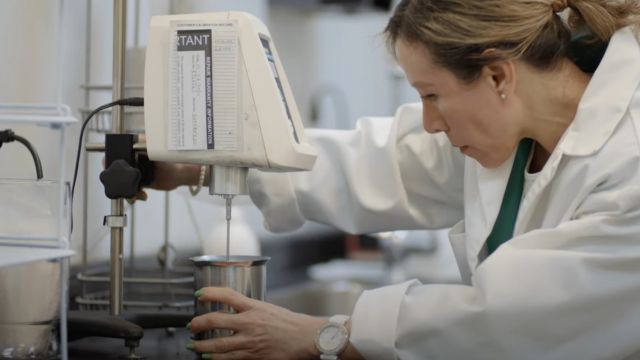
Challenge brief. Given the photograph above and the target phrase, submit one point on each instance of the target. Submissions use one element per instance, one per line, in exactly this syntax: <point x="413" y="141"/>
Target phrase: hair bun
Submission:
<point x="559" y="5"/>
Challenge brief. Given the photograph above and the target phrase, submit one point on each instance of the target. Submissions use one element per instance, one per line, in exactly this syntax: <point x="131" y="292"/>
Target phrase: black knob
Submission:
<point x="120" y="180"/>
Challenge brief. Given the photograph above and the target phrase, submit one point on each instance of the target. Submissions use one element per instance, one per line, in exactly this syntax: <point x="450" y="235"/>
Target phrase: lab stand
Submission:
<point x="35" y="230"/>
<point x="123" y="299"/>
<point x="168" y="289"/>
<point x="146" y="289"/>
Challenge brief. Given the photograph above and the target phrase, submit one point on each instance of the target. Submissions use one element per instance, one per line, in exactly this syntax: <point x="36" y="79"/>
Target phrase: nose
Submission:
<point x="432" y="120"/>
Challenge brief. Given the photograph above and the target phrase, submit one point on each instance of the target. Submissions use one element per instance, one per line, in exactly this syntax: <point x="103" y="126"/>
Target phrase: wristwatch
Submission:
<point x="333" y="338"/>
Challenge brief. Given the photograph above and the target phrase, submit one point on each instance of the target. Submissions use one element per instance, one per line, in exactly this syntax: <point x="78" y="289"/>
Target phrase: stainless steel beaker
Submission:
<point x="245" y="274"/>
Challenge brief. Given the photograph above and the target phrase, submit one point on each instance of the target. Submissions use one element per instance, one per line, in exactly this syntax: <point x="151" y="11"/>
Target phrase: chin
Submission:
<point x="490" y="165"/>
<point x="489" y="162"/>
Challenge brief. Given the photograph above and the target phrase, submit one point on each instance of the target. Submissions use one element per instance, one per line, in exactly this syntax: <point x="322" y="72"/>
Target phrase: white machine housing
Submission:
<point x="253" y="117"/>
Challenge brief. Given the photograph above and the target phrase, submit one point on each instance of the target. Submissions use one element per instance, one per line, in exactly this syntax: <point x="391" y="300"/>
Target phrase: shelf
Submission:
<point x="18" y="255"/>
<point x="42" y="114"/>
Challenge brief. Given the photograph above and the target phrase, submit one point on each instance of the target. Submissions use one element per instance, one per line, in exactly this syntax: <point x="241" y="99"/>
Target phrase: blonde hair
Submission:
<point x="457" y="33"/>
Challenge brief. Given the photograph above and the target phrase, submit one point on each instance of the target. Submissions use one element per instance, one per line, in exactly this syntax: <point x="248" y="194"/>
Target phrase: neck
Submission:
<point x="551" y="100"/>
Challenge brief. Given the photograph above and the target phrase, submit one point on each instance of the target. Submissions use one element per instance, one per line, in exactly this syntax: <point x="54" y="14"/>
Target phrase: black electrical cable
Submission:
<point x="34" y="154"/>
<point x="133" y="101"/>
<point x="7" y="136"/>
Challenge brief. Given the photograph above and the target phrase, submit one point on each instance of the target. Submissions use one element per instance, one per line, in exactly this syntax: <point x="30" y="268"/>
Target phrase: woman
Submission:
<point x="548" y="191"/>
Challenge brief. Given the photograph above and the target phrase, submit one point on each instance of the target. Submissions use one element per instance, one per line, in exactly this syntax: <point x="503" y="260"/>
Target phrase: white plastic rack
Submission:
<point x="24" y="248"/>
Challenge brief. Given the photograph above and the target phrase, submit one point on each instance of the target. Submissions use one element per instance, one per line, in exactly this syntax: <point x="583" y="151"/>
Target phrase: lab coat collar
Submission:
<point x="605" y="102"/>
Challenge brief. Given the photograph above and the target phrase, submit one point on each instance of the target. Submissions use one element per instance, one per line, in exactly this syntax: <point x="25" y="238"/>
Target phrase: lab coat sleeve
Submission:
<point x="568" y="292"/>
<point x="386" y="174"/>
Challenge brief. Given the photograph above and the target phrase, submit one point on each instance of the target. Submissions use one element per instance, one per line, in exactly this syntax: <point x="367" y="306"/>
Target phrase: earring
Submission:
<point x="503" y="96"/>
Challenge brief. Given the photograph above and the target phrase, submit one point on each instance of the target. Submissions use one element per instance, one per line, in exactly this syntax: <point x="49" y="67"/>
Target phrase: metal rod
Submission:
<point x="136" y="26"/>
<point x="167" y="216"/>
<point x="138" y="280"/>
<point x="64" y="282"/>
<point x="63" y="233"/>
<point x="85" y="158"/>
<point x="228" y="199"/>
<point x="117" y="268"/>
<point x="132" y="238"/>
<point x="119" y="46"/>
<point x="132" y="303"/>
<point x="117" y="206"/>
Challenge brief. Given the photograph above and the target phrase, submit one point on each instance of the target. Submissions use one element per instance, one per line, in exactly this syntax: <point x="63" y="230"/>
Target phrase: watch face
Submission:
<point x="332" y="338"/>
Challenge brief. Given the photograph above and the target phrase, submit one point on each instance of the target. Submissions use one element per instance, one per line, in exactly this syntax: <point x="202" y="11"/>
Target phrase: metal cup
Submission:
<point x="244" y="274"/>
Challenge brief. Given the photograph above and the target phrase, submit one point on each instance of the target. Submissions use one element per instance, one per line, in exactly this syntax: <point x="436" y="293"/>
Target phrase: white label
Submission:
<point x="203" y="101"/>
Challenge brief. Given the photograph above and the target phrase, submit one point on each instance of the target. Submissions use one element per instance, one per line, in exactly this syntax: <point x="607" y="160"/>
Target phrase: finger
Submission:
<point x="227" y="296"/>
<point x="235" y="355"/>
<point x="215" y="320"/>
<point x="222" y="344"/>
<point x="141" y="195"/>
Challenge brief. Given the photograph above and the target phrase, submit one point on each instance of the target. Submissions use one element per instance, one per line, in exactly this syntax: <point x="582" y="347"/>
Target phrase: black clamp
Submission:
<point x="125" y="170"/>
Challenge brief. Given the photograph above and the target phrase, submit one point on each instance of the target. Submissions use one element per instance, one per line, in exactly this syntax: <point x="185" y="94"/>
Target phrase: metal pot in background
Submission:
<point x="245" y="274"/>
<point x="29" y="309"/>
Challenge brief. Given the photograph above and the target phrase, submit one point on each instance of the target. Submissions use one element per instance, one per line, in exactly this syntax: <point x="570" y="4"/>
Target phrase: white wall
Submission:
<point x="32" y="41"/>
<point x="340" y="61"/>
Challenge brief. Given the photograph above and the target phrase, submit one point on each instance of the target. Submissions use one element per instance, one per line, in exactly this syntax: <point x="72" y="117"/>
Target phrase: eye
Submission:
<point x="430" y="97"/>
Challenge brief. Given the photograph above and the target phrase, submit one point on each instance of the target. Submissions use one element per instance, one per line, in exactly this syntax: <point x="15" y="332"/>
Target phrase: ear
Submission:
<point x="501" y="76"/>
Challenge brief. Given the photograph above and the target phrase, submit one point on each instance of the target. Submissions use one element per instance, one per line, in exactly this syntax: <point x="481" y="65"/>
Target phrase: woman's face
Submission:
<point x="473" y="115"/>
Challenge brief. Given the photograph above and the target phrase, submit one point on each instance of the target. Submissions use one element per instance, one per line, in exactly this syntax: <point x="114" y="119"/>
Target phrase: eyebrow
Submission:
<point x="421" y="83"/>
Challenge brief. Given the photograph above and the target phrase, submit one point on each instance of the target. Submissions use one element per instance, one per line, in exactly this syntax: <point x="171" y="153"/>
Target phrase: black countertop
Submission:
<point x="157" y="344"/>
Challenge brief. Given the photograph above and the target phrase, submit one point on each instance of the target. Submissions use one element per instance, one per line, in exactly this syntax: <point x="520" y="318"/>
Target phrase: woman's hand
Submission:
<point x="168" y="176"/>
<point x="261" y="330"/>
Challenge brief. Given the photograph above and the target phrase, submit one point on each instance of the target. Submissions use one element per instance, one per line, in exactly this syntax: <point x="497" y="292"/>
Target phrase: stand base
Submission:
<point x="129" y="327"/>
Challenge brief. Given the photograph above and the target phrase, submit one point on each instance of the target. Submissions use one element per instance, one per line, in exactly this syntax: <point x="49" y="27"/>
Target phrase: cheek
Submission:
<point x="465" y="106"/>
<point x="483" y="119"/>
<point x="453" y="112"/>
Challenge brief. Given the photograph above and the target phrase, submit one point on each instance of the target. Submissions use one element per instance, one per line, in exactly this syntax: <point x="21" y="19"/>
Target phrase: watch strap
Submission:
<point x="328" y="357"/>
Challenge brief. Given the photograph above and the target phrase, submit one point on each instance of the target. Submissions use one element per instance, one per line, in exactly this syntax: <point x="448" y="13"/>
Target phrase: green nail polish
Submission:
<point x="188" y="326"/>
<point x="198" y="293"/>
<point x="191" y="346"/>
<point x="206" y="356"/>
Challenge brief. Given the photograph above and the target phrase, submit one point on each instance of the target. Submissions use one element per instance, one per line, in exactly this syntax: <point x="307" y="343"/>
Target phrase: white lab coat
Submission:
<point x="567" y="286"/>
